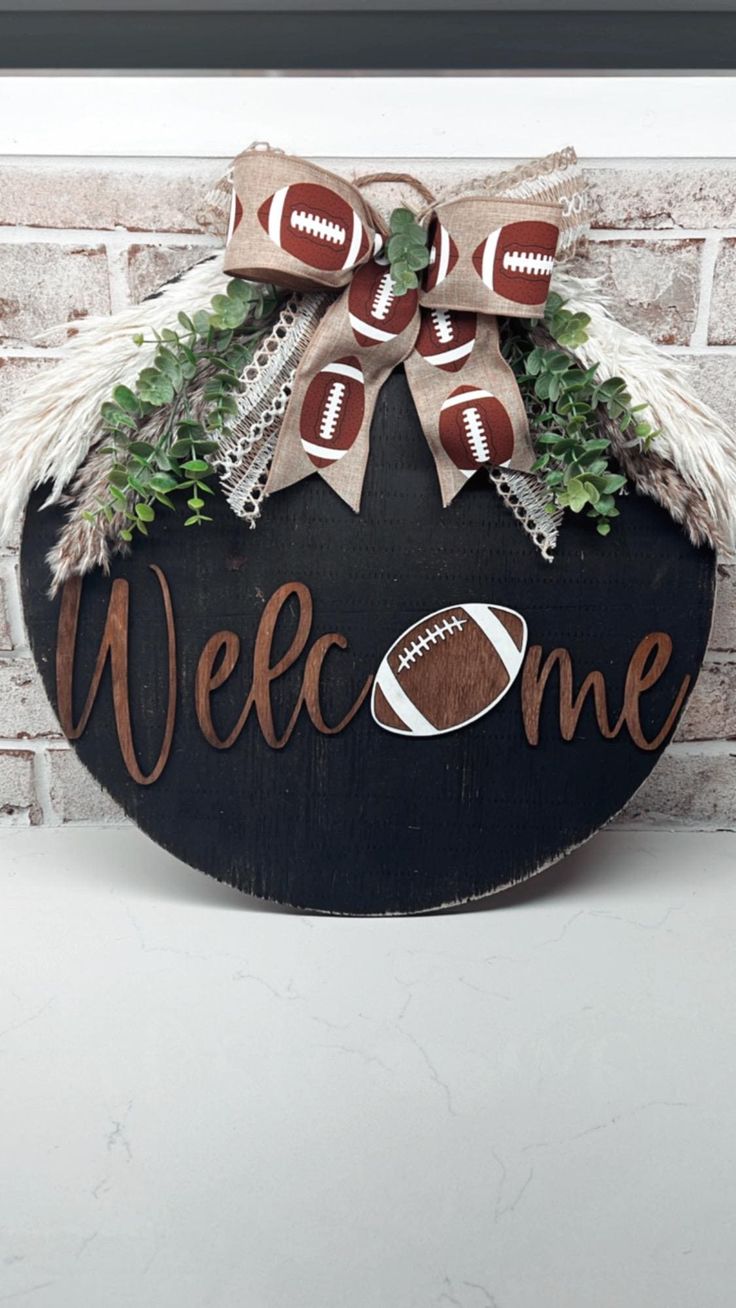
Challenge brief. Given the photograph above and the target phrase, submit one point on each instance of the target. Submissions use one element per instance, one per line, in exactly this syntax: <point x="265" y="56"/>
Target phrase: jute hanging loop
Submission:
<point x="372" y="179"/>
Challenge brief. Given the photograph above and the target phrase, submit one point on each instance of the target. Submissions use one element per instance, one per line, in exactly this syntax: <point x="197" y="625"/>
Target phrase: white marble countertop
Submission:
<point x="209" y="1104"/>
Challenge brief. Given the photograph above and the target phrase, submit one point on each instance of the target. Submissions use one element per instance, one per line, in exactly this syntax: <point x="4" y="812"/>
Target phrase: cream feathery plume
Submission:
<point x="48" y="434"/>
<point x="693" y="439"/>
<point x="83" y="544"/>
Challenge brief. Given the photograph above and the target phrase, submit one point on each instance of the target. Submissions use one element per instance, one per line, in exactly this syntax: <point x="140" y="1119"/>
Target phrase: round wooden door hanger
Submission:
<point x="378" y="713"/>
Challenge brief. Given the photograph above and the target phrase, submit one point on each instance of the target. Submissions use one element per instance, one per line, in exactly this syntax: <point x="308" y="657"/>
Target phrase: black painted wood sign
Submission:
<point x="376" y="713"/>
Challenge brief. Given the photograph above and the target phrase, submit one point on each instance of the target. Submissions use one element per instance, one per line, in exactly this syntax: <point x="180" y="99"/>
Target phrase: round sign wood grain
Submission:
<point x="222" y="684"/>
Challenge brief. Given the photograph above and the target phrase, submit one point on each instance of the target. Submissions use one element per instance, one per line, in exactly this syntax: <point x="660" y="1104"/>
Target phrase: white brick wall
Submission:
<point x="86" y="235"/>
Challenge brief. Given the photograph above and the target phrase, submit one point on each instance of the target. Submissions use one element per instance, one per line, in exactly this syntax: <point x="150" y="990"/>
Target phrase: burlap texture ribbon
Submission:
<point x="299" y="226"/>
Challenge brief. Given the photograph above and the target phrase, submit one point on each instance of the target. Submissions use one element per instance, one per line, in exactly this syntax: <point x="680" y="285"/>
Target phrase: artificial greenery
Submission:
<point x="216" y="346"/>
<point x="406" y="250"/>
<point x="564" y="402"/>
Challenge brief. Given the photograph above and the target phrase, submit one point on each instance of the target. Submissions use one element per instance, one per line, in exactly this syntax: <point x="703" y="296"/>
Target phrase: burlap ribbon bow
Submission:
<point x="298" y="226"/>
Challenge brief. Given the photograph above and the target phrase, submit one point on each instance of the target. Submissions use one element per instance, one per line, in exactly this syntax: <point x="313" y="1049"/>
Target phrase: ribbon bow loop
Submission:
<point x="299" y="226"/>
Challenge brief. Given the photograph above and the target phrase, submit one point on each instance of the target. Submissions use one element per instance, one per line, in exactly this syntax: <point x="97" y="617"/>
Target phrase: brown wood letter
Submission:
<point x="639" y="679"/>
<point x="207" y="679"/>
<point x="647" y="664"/>
<point x="534" y="683"/>
<point x="312" y="675"/>
<point x="114" y="644"/>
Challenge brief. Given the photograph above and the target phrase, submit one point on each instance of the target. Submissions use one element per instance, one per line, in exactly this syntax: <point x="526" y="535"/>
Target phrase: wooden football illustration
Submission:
<point x="332" y="412"/>
<point x="449" y="669"/>
<point x="442" y="256"/>
<point x="475" y="429"/>
<point x="316" y="226"/>
<point x="446" y="338"/>
<point x="516" y="261"/>
<point x="376" y="313"/>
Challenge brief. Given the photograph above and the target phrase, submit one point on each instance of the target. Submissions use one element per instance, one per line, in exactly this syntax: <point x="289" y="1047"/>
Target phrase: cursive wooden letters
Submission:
<point x="114" y="645"/>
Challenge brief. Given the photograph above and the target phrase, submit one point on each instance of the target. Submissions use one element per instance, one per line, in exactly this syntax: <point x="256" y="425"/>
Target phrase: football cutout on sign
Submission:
<point x="449" y="669"/>
<point x="332" y="412"/>
<point x="475" y="430"/>
<point x="446" y="338"/>
<point x="377" y="313"/>
<point x="516" y="261"/>
<point x="316" y="226"/>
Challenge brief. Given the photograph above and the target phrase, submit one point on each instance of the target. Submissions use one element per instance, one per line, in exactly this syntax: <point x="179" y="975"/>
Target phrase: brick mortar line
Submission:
<point x="124" y="237"/>
<point x="661" y="233"/>
<point x="659" y="163"/>
<point x="708" y="257"/>
<point x="701" y="351"/>
<point x="34" y="744"/>
<point x="669" y="825"/>
<point x="42" y="787"/>
<point x="117" y="276"/>
<point x="14" y="608"/>
<point x="117" y="236"/>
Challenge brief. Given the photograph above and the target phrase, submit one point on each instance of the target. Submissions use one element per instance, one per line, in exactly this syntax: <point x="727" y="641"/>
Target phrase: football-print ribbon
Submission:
<point x="301" y="227"/>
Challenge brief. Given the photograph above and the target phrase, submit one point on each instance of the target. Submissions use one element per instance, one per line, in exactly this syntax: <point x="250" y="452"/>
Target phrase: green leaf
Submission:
<point x="244" y="292"/>
<point x="417" y="258"/>
<point x="398" y="247"/>
<point x="162" y="483"/>
<point x="201" y="323"/>
<point x="155" y="387"/>
<point x="577" y="496"/>
<point x="613" y="482"/>
<point x="145" y="512"/>
<point x="141" y="448"/>
<point x="603" y="528"/>
<point x="196" y="465"/>
<point x="181" y="449"/>
<point x="186" y="322"/>
<point x="402" y="220"/>
<point x="557" y="362"/>
<point x="126" y="400"/>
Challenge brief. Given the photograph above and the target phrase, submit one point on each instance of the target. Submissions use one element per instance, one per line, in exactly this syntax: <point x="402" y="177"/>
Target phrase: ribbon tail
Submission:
<point x="468" y="400"/>
<point x="326" y="427"/>
<point x="325" y="419"/>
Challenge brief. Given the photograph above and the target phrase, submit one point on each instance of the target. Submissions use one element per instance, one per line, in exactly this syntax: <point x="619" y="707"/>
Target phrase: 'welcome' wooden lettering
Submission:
<point x="222" y="651"/>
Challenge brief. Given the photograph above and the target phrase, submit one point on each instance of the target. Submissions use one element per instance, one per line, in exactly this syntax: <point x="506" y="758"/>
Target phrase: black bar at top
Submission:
<point x="430" y="41"/>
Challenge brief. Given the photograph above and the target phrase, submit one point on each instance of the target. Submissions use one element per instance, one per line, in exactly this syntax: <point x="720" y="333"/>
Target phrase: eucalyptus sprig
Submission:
<point x="215" y="346"/>
<point x="406" y="250"/>
<point x="564" y="402"/>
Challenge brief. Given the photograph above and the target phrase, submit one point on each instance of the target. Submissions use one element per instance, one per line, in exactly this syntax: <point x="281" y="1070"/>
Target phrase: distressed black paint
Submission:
<point x="365" y="821"/>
